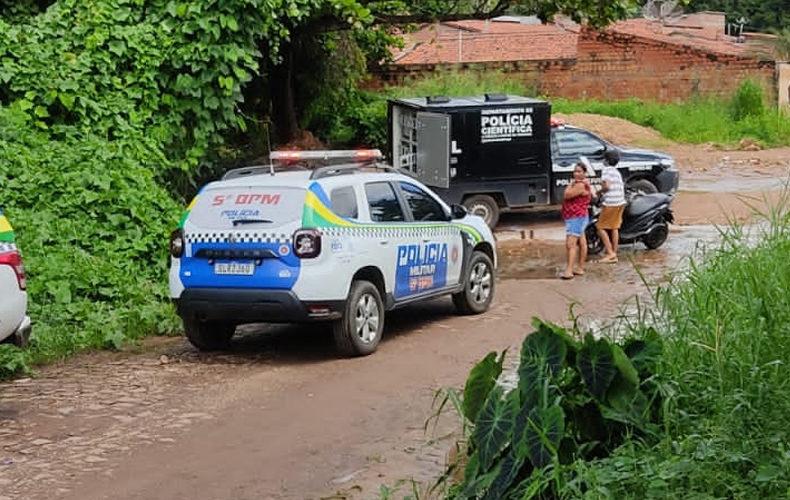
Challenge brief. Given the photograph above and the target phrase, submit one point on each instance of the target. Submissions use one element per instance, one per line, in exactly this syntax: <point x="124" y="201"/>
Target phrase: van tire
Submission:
<point x="209" y="336"/>
<point x="639" y="187"/>
<point x="485" y="206"/>
<point x="479" y="283"/>
<point x="364" y="310"/>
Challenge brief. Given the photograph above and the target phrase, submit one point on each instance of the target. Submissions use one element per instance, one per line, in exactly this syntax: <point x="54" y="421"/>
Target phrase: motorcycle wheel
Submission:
<point x="594" y="242"/>
<point x="656" y="237"/>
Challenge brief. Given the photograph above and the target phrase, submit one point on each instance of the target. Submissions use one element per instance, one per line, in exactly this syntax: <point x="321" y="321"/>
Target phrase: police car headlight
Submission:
<point x="177" y="243"/>
<point x="666" y="162"/>
<point x="307" y="243"/>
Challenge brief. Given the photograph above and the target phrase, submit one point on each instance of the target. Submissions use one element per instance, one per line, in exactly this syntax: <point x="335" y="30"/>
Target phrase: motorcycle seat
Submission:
<point x="645" y="203"/>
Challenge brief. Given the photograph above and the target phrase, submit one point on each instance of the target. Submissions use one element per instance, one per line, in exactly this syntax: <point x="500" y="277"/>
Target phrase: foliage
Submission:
<point x="726" y="346"/>
<point x="92" y="223"/>
<point x="748" y="101"/>
<point x="573" y="401"/>
<point x="761" y="15"/>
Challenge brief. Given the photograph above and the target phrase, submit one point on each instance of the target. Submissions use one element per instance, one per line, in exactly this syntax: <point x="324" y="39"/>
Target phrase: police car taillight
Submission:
<point x="14" y="259"/>
<point x="307" y="243"/>
<point x="177" y="243"/>
<point x="557" y="122"/>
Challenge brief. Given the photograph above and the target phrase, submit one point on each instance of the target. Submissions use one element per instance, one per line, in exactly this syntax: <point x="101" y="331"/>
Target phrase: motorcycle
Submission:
<point x="646" y="219"/>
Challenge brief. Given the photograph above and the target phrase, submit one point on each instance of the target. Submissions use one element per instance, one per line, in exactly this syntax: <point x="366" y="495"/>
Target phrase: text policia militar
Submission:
<point x="503" y="124"/>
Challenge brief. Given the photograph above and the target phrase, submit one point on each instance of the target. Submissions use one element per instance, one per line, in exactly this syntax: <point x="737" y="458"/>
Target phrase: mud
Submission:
<point x="281" y="417"/>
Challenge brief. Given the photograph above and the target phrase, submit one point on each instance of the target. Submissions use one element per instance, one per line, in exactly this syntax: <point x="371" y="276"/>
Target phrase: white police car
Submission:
<point x="338" y="242"/>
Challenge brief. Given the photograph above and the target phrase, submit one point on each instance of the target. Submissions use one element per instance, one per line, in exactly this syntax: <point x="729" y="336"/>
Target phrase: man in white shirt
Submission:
<point x="611" y="217"/>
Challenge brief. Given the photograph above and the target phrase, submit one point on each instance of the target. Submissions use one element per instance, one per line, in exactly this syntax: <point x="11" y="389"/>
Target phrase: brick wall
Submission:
<point x="615" y="66"/>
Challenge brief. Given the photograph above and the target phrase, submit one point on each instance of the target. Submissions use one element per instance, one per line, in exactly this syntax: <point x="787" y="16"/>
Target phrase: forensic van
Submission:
<point x="323" y="236"/>
<point x="497" y="152"/>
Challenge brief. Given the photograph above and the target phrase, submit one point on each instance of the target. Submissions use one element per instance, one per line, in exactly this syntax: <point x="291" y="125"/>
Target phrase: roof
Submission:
<point x="509" y="40"/>
<point x="685" y="33"/>
<point x="487" y="41"/>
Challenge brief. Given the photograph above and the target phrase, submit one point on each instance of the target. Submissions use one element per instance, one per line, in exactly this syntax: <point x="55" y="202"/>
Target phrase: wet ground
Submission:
<point x="279" y="416"/>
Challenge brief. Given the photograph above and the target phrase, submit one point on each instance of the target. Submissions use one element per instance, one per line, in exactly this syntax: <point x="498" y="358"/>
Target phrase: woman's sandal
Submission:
<point x="608" y="260"/>
<point x="578" y="273"/>
<point x="564" y="277"/>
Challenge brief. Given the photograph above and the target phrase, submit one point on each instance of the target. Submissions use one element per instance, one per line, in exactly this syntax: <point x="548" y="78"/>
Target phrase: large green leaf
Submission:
<point x="494" y="427"/>
<point x="546" y="347"/>
<point x="545" y="430"/>
<point x="475" y="481"/>
<point x="509" y="468"/>
<point x="624" y="365"/>
<point x="645" y="354"/>
<point x="481" y="380"/>
<point x="625" y="403"/>
<point x="596" y="365"/>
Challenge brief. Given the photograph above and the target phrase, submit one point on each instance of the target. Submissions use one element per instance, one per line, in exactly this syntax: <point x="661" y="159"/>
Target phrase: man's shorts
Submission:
<point x="611" y="217"/>
<point x="576" y="226"/>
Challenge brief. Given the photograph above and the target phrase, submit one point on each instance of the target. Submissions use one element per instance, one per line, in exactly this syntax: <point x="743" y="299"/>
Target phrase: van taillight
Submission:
<point x="307" y="243"/>
<point x="177" y="243"/>
<point x="14" y="259"/>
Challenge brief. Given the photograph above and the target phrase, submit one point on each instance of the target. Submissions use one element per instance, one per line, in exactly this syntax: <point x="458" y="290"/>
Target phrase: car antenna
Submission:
<point x="269" y="143"/>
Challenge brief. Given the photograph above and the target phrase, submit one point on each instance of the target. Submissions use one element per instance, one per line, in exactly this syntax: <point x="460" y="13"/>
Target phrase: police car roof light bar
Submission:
<point x="349" y="168"/>
<point x="342" y="154"/>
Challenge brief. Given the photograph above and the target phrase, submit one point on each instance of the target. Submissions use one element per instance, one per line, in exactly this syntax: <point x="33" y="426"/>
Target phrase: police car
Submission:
<point x="344" y="242"/>
<point x="15" y="324"/>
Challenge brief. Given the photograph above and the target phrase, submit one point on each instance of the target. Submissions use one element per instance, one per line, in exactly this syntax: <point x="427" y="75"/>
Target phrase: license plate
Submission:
<point x="235" y="268"/>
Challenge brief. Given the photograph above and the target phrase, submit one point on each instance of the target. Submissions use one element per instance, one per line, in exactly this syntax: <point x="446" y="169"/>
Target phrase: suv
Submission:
<point x="339" y="242"/>
<point x="14" y="323"/>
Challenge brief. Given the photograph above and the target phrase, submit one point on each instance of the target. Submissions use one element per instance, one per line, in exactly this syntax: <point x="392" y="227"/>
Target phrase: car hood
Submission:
<point x="642" y="154"/>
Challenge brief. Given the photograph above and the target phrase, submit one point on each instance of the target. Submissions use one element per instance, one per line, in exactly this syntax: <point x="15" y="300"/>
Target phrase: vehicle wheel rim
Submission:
<point x="366" y="319"/>
<point x="480" y="281"/>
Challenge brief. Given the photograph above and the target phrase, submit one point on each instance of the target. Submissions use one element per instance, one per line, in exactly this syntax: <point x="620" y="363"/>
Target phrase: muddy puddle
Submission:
<point x="543" y="256"/>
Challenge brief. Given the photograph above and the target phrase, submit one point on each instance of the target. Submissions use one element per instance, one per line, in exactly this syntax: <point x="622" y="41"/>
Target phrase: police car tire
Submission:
<point x="346" y="338"/>
<point x="487" y="203"/>
<point x="208" y="336"/>
<point x="465" y="301"/>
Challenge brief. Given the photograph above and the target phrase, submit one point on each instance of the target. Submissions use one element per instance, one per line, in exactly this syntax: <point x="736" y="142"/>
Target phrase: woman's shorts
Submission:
<point x="611" y="217"/>
<point x="576" y="226"/>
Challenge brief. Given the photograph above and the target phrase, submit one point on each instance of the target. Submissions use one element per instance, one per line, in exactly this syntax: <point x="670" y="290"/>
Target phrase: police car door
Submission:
<point x="430" y="262"/>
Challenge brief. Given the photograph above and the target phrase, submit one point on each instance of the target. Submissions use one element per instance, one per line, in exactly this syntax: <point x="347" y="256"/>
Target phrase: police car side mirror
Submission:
<point x="458" y="211"/>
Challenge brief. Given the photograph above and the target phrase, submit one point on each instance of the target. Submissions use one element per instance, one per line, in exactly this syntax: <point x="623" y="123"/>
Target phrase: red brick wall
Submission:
<point x="618" y="66"/>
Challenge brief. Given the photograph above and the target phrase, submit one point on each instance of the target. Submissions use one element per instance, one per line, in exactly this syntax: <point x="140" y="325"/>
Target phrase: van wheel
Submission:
<point x="478" y="290"/>
<point x="209" y="336"/>
<point x="484" y="206"/>
<point x="358" y="333"/>
<point x="638" y="187"/>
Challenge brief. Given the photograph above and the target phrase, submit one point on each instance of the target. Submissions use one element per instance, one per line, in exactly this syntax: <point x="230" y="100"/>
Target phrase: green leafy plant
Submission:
<point x="574" y="400"/>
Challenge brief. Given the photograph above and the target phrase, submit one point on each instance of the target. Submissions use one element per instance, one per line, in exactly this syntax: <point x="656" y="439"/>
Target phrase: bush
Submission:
<point x="748" y="101"/>
<point x="93" y="224"/>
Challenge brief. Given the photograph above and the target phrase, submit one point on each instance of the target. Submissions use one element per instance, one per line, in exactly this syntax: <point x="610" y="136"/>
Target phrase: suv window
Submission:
<point x="423" y="206"/>
<point x="344" y="202"/>
<point x="578" y="143"/>
<point x="384" y="205"/>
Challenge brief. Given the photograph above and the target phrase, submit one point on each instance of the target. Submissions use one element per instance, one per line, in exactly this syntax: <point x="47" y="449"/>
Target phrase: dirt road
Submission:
<point x="280" y="417"/>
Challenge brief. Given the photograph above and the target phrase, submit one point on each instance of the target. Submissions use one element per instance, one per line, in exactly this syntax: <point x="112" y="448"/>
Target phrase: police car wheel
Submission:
<point x="358" y="333"/>
<point x="478" y="287"/>
<point x="209" y="336"/>
<point x="483" y="206"/>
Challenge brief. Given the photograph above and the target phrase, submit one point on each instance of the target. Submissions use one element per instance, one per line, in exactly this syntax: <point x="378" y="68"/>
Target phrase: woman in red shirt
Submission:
<point x="575" y="212"/>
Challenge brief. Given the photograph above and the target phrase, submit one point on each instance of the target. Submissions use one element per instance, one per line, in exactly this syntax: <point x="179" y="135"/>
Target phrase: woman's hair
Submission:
<point x="581" y="166"/>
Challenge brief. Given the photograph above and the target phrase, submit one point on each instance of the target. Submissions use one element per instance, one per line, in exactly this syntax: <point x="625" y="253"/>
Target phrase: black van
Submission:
<point x="498" y="152"/>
